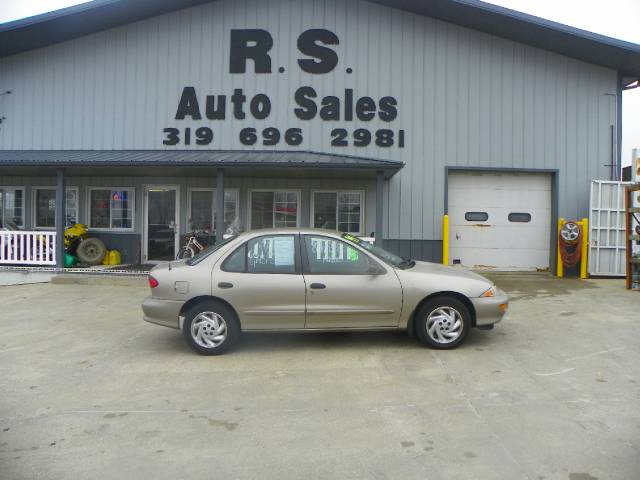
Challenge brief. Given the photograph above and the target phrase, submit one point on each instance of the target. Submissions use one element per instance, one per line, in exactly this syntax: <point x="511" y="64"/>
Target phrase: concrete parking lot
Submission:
<point x="91" y="391"/>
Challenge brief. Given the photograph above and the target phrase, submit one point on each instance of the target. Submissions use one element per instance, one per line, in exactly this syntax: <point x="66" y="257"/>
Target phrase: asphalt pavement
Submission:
<point x="91" y="391"/>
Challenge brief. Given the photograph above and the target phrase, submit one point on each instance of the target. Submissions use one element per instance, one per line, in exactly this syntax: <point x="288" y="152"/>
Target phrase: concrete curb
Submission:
<point x="112" y="280"/>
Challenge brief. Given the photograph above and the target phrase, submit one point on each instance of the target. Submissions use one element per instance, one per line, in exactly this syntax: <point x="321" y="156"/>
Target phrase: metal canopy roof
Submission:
<point x="98" y="15"/>
<point x="248" y="161"/>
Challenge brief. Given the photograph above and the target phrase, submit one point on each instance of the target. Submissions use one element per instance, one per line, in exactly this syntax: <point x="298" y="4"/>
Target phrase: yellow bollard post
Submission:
<point x="559" y="266"/>
<point x="584" y="256"/>
<point x="445" y="239"/>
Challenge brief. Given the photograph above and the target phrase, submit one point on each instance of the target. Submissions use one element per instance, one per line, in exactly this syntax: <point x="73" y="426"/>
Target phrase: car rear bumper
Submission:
<point x="162" y="312"/>
<point x="490" y="310"/>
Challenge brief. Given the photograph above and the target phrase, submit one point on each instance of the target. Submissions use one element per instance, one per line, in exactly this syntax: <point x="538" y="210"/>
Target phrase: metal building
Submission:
<point x="372" y="117"/>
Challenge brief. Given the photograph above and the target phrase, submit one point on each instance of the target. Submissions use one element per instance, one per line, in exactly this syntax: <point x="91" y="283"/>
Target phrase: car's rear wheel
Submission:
<point x="442" y="322"/>
<point x="211" y="327"/>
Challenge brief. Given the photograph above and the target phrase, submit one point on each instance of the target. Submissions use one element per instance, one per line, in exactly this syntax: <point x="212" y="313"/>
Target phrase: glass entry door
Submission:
<point x="161" y="223"/>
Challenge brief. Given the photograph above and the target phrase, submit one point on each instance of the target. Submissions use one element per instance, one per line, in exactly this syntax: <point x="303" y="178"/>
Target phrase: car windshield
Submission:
<point x="198" y="257"/>
<point x="387" y="257"/>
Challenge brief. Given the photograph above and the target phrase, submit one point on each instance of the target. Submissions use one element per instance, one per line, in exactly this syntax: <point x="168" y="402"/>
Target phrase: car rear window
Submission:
<point x="200" y="256"/>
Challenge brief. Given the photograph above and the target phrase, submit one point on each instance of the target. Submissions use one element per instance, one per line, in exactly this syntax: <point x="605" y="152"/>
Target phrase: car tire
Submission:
<point x="442" y="322"/>
<point x="91" y="251"/>
<point x="211" y="327"/>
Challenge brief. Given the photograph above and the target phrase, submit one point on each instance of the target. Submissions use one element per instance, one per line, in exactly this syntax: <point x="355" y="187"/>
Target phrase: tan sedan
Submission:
<point x="315" y="280"/>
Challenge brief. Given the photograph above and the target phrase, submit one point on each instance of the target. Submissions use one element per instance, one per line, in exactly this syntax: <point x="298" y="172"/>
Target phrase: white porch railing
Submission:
<point x="27" y="248"/>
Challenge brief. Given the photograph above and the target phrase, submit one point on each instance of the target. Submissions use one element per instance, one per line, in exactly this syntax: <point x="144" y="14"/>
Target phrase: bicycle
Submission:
<point x="193" y="246"/>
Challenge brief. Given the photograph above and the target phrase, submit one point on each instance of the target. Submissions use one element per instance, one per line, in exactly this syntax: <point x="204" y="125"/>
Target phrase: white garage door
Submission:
<point x="499" y="220"/>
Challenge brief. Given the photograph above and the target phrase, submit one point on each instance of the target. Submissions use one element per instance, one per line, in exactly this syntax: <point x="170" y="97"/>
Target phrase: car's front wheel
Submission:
<point x="443" y="322"/>
<point x="210" y="328"/>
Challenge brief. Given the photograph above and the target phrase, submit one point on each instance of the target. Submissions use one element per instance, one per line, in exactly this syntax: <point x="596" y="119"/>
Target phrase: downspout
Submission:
<point x="618" y="158"/>
<point x="379" y="207"/>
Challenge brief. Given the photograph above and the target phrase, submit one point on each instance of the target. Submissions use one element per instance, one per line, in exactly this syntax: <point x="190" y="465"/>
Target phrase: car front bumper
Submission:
<point x="490" y="310"/>
<point x="162" y="312"/>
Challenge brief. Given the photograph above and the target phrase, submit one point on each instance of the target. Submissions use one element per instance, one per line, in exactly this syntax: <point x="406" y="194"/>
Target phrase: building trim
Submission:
<point x="99" y="15"/>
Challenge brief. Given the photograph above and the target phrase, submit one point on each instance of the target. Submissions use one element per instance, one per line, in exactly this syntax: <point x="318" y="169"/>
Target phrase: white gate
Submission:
<point x="607" y="229"/>
<point x="27" y="248"/>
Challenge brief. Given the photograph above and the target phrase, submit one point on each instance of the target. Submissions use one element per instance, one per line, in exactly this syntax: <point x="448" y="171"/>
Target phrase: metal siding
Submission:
<point x="465" y="97"/>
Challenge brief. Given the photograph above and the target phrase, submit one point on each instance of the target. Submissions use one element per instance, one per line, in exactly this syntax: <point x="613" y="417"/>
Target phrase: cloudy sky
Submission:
<point x="614" y="18"/>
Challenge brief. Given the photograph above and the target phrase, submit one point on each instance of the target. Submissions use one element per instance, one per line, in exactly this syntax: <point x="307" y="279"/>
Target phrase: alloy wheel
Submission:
<point x="444" y="324"/>
<point x="209" y="329"/>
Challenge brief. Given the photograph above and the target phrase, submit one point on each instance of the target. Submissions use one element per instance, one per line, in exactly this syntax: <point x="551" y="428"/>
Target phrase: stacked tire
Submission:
<point x="91" y="251"/>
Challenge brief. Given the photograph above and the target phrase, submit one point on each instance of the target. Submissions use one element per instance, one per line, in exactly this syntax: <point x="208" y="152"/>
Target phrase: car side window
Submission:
<point x="235" y="261"/>
<point x="271" y="254"/>
<point x="332" y="256"/>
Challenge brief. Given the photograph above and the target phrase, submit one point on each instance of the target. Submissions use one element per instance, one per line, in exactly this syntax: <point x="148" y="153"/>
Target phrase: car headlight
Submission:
<point x="491" y="292"/>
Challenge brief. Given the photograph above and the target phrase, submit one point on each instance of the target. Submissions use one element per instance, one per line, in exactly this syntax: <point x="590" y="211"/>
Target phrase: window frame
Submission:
<point x="235" y="191"/>
<point x="34" y="205"/>
<point x="306" y="266"/>
<point x="298" y="192"/>
<point x="3" y="189"/>
<point x="132" y="190"/>
<point x="362" y="194"/>
<point x="245" y="245"/>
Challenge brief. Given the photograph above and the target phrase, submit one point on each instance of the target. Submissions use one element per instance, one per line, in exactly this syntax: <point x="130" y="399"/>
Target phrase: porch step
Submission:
<point x="88" y="279"/>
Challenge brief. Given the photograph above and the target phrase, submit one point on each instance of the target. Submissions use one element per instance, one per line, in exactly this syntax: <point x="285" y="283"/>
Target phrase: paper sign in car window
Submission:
<point x="283" y="251"/>
<point x="352" y="254"/>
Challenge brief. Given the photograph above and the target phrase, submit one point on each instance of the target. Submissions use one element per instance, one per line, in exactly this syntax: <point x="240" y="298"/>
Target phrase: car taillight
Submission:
<point x="153" y="283"/>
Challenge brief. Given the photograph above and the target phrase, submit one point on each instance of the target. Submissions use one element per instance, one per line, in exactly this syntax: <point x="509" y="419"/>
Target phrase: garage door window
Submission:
<point x="519" y="217"/>
<point x="476" y="216"/>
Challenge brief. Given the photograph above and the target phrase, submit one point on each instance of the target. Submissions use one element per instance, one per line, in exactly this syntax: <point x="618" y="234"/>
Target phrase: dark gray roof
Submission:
<point x="190" y="158"/>
<point x="79" y="20"/>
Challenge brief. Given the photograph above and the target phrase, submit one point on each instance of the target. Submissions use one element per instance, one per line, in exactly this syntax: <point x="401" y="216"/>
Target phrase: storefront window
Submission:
<point x="45" y="207"/>
<point x="276" y="209"/>
<point x="111" y="209"/>
<point x="203" y="209"/>
<point x="338" y="211"/>
<point x="11" y="207"/>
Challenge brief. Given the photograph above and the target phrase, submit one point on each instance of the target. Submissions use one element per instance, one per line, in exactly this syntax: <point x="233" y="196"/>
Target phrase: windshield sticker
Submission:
<point x="351" y="238"/>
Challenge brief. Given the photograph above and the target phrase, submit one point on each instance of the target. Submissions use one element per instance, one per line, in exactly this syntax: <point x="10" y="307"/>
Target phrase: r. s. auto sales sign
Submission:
<point x="317" y="57"/>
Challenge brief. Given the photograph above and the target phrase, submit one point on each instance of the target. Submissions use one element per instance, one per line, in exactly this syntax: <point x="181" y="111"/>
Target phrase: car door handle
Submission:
<point x="317" y="286"/>
<point x="225" y="285"/>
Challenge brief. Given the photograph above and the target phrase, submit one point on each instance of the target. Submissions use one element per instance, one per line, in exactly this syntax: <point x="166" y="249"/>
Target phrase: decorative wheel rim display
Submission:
<point x="570" y="232"/>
